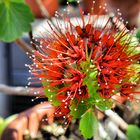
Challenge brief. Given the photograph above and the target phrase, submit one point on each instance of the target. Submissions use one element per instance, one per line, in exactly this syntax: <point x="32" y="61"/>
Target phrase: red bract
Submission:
<point x="78" y="58"/>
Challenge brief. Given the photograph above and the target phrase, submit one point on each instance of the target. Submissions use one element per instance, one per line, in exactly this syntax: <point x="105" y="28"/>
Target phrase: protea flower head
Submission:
<point x="84" y="67"/>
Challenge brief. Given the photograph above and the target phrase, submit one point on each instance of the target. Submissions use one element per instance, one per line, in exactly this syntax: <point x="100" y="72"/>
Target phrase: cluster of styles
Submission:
<point x="85" y="67"/>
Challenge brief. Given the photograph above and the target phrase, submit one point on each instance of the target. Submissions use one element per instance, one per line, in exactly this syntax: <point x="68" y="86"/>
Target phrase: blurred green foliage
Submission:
<point x="5" y="122"/>
<point x="15" y="19"/>
<point x="133" y="132"/>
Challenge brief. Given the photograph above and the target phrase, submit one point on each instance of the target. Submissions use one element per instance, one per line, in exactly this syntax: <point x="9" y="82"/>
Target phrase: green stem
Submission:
<point x="90" y="55"/>
<point x="86" y="48"/>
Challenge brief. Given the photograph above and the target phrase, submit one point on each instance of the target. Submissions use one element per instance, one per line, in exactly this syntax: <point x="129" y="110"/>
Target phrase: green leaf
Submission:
<point x="15" y="19"/>
<point x="91" y="84"/>
<point x="104" y="104"/>
<point x="138" y="34"/>
<point x="88" y="124"/>
<point x="78" y="108"/>
<point x="1" y="125"/>
<point x="95" y="99"/>
<point x="93" y="74"/>
<point x="133" y="132"/>
<point x="128" y="38"/>
<point x="18" y="1"/>
<point x="136" y="68"/>
<point x="84" y="65"/>
<point x="51" y="96"/>
<point x="4" y="123"/>
<point x="50" y="93"/>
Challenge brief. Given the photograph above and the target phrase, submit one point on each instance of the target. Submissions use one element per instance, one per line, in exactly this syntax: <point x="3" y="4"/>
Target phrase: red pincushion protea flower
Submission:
<point x="85" y="66"/>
